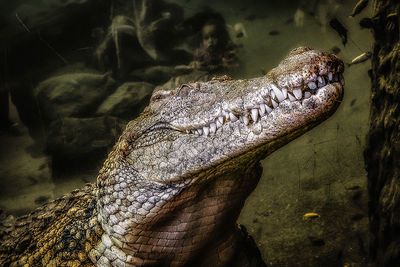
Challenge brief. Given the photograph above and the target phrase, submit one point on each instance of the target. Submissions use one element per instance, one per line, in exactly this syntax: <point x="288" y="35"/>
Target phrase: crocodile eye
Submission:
<point x="184" y="90"/>
<point x="159" y="95"/>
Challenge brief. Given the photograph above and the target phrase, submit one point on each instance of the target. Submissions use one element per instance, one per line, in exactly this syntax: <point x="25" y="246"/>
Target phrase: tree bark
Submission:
<point x="382" y="155"/>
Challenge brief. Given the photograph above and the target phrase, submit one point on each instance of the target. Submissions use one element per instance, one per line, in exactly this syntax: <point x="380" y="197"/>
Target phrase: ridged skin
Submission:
<point x="169" y="197"/>
<point x="59" y="233"/>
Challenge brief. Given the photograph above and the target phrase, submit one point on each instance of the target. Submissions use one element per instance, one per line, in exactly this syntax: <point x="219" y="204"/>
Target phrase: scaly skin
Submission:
<point x="169" y="194"/>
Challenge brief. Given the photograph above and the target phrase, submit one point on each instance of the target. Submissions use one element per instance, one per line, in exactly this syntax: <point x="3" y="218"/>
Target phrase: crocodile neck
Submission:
<point x="173" y="225"/>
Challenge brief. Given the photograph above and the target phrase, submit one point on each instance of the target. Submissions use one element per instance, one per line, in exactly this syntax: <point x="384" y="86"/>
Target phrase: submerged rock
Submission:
<point x="81" y="140"/>
<point x="72" y="95"/>
<point x="155" y="74"/>
<point x="127" y="101"/>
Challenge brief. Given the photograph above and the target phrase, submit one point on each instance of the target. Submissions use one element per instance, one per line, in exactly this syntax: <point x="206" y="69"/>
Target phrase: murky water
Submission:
<point x="321" y="172"/>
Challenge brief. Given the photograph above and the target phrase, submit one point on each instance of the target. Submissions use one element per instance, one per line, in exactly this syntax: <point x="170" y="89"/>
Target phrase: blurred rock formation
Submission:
<point x="79" y="70"/>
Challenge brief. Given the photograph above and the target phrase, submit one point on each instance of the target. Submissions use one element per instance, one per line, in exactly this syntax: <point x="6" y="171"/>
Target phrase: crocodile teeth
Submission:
<point x="312" y="86"/>
<point x="232" y="117"/>
<point x="274" y="103"/>
<point x="225" y="114"/>
<point x="254" y="114"/>
<point x="284" y="91"/>
<point x="277" y="92"/>
<point x="291" y="97"/>
<point x="268" y="100"/>
<point x="213" y="128"/>
<point x="206" y="130"/>
<point x="262" y="110"/>
<point x="321" y="82"/>
<point x="245" y="120"/>
<point x="272" y="93"/>
<point x="297" y="93"/>
<point x="218" y="123"/>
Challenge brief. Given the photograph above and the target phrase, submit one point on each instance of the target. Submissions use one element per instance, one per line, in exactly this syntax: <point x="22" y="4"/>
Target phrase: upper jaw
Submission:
<point x="297" y="78"/>
<point x="258" y="103"/>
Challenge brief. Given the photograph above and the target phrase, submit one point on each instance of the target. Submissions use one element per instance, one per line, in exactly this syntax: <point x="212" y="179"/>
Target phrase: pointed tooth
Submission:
<point x="225" y="114"/>
<point x="206" y="130"/>
<point x="312" y="86"/>
<point x="330" y="76"/>
<point x="274" y="103"/>
<point x="269" y="110"/>
<point x="245" y="120"/>
<point x="262" y="110"/>
<point x="232" y="117"/>
<point x="278" y="93"/>
<point x="213" y="128"/>
<point x="307" y="95"/>
<point x="321" y="82"/>
<point x="297" y="93"/>
<point x="218" y="124"/>
<point x="221" y="119"/>
<point x="291" y="97"/>
<point x="284" y="92"/>
<point x="187" y="131"/>
<point x="200" y="131"/>
<point x="272" y="94"/>
<point x="254" y="114"/>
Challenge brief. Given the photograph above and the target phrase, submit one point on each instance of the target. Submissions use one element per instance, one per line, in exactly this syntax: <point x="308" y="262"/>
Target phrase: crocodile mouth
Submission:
<point x="269" y="101"/>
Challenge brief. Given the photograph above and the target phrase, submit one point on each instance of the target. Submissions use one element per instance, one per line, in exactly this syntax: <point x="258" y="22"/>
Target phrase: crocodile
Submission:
<point x="172" y="187"/>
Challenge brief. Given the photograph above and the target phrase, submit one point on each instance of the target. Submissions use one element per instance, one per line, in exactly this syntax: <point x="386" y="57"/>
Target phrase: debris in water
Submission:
<point x="239" y="30"/>
<point x="340" y="29"/>
<point x="359" y="7"/>
<point x="361" y="58"/>
<point x="336" y="50"/>
<point x="311" y="215"/>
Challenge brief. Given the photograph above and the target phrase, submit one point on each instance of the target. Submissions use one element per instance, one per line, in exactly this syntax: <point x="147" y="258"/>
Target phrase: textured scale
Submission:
<point x="62" y="232"/>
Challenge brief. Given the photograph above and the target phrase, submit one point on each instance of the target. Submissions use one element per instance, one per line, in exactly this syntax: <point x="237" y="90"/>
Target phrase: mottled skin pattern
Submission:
<point x="173" y="186"/>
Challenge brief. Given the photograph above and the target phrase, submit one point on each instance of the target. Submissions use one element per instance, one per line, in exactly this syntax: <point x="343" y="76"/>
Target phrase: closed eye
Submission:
<point x="159" y="95"/>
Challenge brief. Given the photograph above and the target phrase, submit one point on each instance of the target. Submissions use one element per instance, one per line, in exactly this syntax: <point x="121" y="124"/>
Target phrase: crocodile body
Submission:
<point x="173" y="186"/>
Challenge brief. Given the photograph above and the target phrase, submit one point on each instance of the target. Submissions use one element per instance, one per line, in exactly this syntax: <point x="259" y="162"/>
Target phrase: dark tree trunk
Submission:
<point x="382" y="155"/>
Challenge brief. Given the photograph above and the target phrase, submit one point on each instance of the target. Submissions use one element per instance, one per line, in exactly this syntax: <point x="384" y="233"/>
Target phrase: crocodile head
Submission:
<point x="201" y="125"/>
<point x="180" y="173"/>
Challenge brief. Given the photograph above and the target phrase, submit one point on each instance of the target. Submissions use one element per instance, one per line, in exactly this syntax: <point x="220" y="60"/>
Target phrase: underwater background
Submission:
<point x="76" y="76"/>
